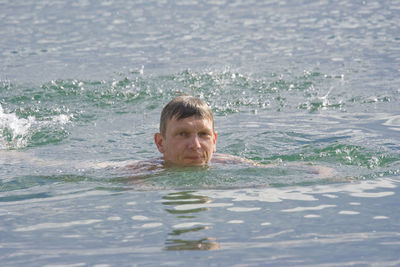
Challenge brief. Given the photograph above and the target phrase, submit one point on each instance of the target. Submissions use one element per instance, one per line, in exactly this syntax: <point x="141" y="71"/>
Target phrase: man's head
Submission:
<point x="187" y="136"/>
<point x="183" y="107"/>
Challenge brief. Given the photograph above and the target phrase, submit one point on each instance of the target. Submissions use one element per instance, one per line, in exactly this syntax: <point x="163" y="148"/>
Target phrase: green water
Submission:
<point x="308" y="118"/>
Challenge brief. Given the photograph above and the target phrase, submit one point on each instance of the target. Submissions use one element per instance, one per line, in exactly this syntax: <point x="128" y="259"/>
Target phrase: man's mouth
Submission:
<point x="195" y="158"/>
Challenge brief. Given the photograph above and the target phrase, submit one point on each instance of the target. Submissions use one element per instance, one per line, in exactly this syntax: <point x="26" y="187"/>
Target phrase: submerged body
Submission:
<point x="145" y="168"/>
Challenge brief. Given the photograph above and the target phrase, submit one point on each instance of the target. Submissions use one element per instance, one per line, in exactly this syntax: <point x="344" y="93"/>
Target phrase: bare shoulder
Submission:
<point x="149" y="165"/>
<point x="231" y="159"/>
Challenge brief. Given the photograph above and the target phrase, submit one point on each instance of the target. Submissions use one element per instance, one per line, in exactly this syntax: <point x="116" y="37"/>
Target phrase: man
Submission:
<point x="187" y="136"/>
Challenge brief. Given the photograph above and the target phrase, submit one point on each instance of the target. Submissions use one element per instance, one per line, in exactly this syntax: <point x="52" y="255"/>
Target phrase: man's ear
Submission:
<point x="158" y="139"/>
<point x="215" y="140"/>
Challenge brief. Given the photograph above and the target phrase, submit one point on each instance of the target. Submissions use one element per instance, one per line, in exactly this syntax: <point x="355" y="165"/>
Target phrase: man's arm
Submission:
<point x="321" y="171"/>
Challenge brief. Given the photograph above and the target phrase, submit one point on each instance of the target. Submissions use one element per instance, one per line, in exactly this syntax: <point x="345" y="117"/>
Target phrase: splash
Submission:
<point x="18" y="132"/>
<point x="14" y="131"/>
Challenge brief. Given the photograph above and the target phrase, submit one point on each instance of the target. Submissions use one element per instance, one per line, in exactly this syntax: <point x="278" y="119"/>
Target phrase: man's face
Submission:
<point x="187" y="142"/>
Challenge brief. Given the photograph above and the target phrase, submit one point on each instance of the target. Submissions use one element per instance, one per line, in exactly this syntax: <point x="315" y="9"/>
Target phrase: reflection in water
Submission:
<point x="185" y="198"/>
<point x="188" y="198"/>
<point x="202" y="244"/>
<point x="182" y="231"/>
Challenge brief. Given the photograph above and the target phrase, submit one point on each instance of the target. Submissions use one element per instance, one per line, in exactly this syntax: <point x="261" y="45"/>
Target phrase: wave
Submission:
<point x="226" y="91"/>
<point x="35" y="115"/>
<point x="17" y="132"/>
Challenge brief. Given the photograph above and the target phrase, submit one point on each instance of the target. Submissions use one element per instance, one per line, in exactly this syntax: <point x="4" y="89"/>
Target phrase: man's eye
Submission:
<point x="204" y="134"/>
<point x="182" y="134"/>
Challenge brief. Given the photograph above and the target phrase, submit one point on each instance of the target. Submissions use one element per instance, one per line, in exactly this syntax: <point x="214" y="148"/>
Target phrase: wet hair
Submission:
<point x="183" y="107"/>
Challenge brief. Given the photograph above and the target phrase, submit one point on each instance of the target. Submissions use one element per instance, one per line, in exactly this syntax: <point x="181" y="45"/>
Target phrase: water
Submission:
<point x="83" y="83"/>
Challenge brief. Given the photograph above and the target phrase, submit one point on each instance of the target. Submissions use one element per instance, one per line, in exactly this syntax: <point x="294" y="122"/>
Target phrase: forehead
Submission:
<point x="192" y="122"/>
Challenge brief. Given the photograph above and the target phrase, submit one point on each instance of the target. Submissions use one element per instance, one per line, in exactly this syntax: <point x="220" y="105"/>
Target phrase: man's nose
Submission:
<point x="195" y="142"/>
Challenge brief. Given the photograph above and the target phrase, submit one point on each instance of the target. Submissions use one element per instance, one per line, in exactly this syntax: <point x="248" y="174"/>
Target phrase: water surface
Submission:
<point x="83" y="83"/>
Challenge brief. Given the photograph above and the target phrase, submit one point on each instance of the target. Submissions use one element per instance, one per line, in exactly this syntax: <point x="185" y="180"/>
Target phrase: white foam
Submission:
<point x="348" y="212"/>
<point x="330" y="196"/>
<point x="139" y="218"/>
<point x="15" y="132"/>
<point x="152" y="225"/>
<point x="189" y="224"/>
<point x="265" y="195"/>
<point x="242" y="209"/>
<point x="312" y="216"/>
<point x="43" y="226"/>
<point x="62" y="118"/>
<point x="373" y="194"/>
<point x="356" y="189"/>
<point x="18" y="128"/>
<point x="299" y="209"/>
<point x="235" y="221"/>
<point x="201" y="206"/>
<point x="380" y="217"/>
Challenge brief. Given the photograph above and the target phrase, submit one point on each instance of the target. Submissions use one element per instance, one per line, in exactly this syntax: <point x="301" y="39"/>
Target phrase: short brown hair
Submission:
<point x="183" y="107"/>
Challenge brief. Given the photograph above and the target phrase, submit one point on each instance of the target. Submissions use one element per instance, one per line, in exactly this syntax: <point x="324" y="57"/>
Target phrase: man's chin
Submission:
<point x="186" y="163"/>
<point x="197" y="162"/>
<point x="195" y="165"/>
